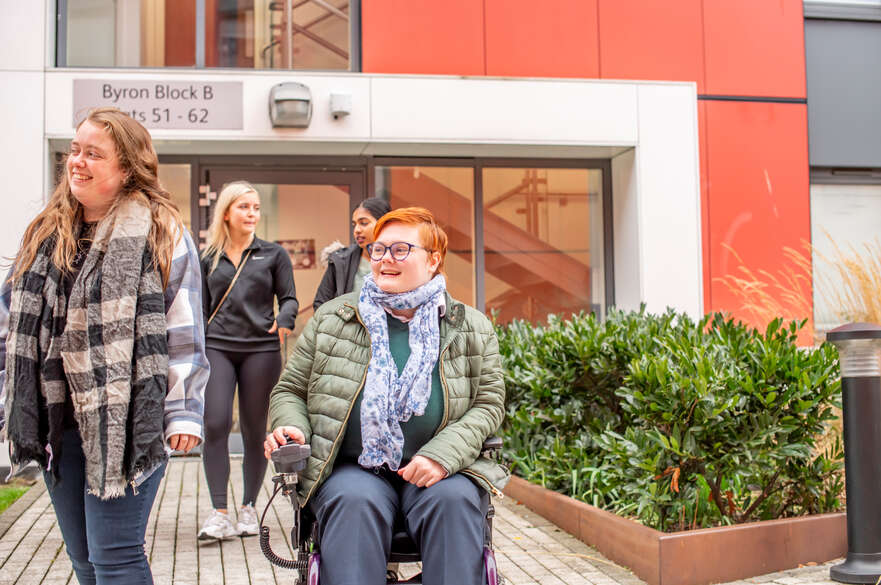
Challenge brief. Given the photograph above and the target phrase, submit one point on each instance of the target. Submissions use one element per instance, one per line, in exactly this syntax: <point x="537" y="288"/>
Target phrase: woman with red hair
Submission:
<point x="395" y="388"/>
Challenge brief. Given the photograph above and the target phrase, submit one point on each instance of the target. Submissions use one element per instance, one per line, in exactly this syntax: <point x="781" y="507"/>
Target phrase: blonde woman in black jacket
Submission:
<point x="242" y="277"/>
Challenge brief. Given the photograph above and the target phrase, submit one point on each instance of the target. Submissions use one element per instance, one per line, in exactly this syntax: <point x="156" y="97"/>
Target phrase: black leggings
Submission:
<point x="256" y="373"/>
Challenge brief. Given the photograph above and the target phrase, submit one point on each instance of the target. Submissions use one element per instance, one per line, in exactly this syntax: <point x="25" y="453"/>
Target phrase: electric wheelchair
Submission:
<point x="289" y="460"/>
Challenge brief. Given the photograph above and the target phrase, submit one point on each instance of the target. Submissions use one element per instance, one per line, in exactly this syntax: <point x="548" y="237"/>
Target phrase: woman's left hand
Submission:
<point x="183" y="442"/>
<point x="283" y="332"/>
<point x="422" y="471"/>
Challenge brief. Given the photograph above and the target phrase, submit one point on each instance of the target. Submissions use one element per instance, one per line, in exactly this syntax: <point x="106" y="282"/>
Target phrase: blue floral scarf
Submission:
<point x="389" y="399"/>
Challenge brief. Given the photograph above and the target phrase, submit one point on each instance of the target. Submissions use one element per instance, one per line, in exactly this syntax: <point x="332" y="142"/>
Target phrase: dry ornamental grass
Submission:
<point x="855" y="287"/>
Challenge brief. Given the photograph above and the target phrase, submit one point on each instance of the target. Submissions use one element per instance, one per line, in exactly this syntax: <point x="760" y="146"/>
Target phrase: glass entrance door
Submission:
<point x="303" y="211"/>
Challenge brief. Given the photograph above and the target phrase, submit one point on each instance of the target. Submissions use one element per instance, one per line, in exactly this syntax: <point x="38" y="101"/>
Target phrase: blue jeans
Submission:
<point x="104" y="538"/>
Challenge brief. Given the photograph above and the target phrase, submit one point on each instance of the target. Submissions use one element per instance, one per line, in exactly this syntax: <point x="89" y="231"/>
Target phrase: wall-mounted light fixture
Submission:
<point x="290" y="105"/>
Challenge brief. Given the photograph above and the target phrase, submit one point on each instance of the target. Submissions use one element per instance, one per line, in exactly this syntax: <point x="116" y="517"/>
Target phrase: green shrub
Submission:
<point x="676" y="423"/>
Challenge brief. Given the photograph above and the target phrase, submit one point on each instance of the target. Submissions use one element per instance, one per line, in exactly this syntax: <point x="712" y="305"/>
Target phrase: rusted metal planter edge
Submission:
<point x="694" y="557"/>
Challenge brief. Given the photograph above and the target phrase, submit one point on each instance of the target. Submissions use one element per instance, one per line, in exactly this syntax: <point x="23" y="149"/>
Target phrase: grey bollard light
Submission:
<point x="859" y="352"/>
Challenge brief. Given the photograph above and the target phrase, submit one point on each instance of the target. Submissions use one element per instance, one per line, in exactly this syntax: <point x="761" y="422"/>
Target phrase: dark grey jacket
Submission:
<point x="339" y="278"/>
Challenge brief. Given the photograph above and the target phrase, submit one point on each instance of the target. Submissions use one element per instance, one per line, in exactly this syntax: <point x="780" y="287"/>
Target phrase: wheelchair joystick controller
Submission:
<point x="289" y="460"/>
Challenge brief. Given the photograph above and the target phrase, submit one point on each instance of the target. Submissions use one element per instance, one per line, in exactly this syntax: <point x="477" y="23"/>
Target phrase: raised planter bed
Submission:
<point x="694" y="557"/>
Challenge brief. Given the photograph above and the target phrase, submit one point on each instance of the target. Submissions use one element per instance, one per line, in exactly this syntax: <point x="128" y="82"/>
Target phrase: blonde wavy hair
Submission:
<point x="218" y="231"/>
<point x="62" y="215"/>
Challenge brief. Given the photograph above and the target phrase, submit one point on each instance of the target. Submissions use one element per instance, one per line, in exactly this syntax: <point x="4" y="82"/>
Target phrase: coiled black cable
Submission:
<point x="299" y="564"/>
<point x="274" y="558"/>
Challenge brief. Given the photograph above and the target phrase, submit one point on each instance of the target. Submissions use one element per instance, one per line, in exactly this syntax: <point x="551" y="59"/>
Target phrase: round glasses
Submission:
<point x="398" y="250"/>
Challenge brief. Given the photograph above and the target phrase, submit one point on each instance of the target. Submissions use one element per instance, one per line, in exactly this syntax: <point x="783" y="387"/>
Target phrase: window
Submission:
<point x="449" y="193"/>
<point x="543" y="238"/>
<point x="525" y="241"/>
<point x="845" y="223"/>
<point x="260" y="34"/>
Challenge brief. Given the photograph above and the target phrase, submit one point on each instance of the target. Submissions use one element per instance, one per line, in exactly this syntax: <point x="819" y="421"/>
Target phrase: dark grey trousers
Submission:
<point x="356" y="511"/>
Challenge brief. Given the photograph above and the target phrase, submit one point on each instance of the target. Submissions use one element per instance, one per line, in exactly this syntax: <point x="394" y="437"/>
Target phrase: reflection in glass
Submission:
<point x="238" y="33"/>
<point x="175" y="178"/>
<point x="448" y="192"/>
<point x="543" y="243"/>
<point x="845" y="222"/>
<point x="256" y="33"/>
<point x="90" y="33"/>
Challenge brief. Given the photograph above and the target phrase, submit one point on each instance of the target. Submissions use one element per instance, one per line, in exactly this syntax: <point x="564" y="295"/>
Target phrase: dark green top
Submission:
<point x="419" y="429"/>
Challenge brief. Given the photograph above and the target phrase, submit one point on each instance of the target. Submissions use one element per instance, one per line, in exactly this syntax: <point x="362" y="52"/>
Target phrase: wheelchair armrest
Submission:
<point x="491" y="444"/>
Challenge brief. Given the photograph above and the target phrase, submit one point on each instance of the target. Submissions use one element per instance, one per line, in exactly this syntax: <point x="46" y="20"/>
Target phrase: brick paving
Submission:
<point x="529" y="549"/>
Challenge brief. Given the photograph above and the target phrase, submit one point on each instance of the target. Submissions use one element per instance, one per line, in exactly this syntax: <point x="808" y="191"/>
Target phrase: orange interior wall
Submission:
<point x="211" y="20"/>
<point x="758" y="187"/>
<point x="755" y="48"/>
<point x="651" y="40"/>
<point x="423" y="36"/>
<point x="552" y="38"/>
<point x="180" y="33"/>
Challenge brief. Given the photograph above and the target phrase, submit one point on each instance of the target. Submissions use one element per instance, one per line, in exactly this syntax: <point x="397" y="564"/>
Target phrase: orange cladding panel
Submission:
<point x="552" y="38"/>
<point x="755" y="47"/>
<point x="651" y="39"/>
<point x="758" y="203"/>
<point x="422" y="36"/>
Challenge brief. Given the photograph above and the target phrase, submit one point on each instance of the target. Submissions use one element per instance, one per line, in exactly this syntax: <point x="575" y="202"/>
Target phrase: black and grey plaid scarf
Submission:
<point x="107" y="344"/>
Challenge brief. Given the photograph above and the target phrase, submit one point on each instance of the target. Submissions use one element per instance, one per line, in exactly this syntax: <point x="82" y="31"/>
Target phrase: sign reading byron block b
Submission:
<point x="187" y="105"/>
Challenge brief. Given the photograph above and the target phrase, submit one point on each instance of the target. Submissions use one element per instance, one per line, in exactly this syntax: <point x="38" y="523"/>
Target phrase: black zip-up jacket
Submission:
<point x="339" y="278"/>
<point x="244" y="320"/>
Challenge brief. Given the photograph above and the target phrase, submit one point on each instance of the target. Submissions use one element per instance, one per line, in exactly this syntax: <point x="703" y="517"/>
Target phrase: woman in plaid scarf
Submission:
<point x="101" y="346"/>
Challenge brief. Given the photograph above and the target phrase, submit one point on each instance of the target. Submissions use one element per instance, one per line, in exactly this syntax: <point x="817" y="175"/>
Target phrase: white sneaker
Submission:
<point x="248" y="524"/>
<point x="218" y="526"/>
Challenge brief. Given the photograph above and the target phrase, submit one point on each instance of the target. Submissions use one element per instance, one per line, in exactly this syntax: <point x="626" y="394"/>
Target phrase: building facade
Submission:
<point x="580" y="153"/>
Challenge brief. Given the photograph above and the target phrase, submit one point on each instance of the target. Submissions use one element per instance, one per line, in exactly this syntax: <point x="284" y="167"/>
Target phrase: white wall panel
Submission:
<point x="22" y="35"/>
<point x="668" y="172"/>
<point x="23" y="154"/>
<point x="496" y="110"/>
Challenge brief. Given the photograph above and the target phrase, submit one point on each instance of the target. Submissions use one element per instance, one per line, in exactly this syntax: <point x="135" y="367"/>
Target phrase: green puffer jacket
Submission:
<point x="327" y="369"/>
